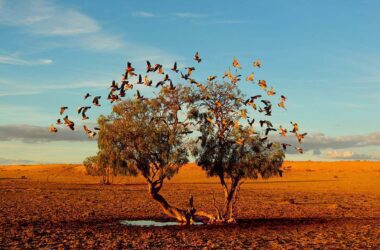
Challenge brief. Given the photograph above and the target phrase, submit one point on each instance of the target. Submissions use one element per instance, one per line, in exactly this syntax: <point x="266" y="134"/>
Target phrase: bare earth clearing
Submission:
<point x="329" y="205"/>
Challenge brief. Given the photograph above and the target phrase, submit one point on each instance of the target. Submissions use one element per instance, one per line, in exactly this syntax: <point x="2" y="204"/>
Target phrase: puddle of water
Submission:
<point x="152" y="223"/>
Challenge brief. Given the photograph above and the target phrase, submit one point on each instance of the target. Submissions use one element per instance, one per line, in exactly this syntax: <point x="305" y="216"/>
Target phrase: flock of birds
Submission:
<point x="117" y="92"/>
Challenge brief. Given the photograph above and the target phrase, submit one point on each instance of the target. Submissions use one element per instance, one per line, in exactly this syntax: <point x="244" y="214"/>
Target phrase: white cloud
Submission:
<point x="348" y="155"/>
<point x="189" y="15"/>
<point x="143" y="14"/>
<point x="12" y="60"/>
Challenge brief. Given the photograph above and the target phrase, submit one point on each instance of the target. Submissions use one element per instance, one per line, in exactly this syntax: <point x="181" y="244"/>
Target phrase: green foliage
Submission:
<point x="146" y="136"/>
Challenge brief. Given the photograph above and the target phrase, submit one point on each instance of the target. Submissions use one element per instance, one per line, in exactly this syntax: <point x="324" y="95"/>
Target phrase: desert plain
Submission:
<point x="315" y="205"/>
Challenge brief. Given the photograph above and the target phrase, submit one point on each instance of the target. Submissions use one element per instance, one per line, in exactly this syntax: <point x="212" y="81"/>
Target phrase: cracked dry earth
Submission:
<point x="315" y="206"/>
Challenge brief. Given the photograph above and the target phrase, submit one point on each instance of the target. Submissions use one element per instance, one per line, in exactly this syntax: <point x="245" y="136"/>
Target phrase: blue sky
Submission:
<point x="323" y="55"/>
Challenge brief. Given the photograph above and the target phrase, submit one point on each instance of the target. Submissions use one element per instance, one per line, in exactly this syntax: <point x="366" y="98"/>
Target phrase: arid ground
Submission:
<point x="332" y="205"/>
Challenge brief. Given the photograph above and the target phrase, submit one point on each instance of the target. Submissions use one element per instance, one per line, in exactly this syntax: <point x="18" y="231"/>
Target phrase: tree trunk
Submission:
<point x="185" y="217"/>
<point x="230" y="200"/>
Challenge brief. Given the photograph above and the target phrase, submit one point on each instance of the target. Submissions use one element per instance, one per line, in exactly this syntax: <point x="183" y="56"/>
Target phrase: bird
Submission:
<point x="300" y="150"/>
<point x="227" y="74"/>
<point x="271" y="92"/>
<point x="83" y="109"/>
<point x="130" y="70"/>
<point x="268" y="129"/>
<point x="149" y="67"/>
<point x="197" y="58"/>
<point x="175" y="67"/>
<point x="243" y="114"/>
<point x="147" y="82"/>
<point x="62" y="110"/>
<point x="283" y="131"/>
<point x="250" y="78"/>
<point x="284" y="145"/>
<point x="90" y="133"/>
<point x="58" y="122"/>
<point x="114" y="85"/>
<point x="300" y="137"/>
<point x="283" y="98"/>
<point x="266" y="102"/>
<point x="171" y="87"/>
<point x="269" y="145"/>
<point x="266" y="122"/>
<point x="281" y="105"/>
<point x="240" y="141"/>
<point x="95" y="101"/>
<point x="255" y="97"/>
<point x="211" y="78"/>
<point x="250" y="103"/>
<point x="160" y="83"/>
<point x="257" y="64"/>
<point x="295" y="127"/>
<point x="190" y="70"/>
<point x="140" y="80"/>
<point x="251" y="122"/>
<point x="138" y="96"/>
<point x="87" y="95"/>
<point x="236" y="64"/>
<point x="263" y="84"/>
<point x="68" y="122"/>
<point x="53" y="129"/>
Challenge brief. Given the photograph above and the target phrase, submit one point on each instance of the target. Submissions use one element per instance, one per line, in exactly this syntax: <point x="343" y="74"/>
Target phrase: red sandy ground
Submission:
<point x="315" y="205"/>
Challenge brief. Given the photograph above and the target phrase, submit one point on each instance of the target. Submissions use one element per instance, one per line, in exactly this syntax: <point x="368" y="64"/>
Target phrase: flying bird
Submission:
<point x="53" y="129"/>
<point x="236" y="64"/>
<point x="91" y="134"/>
<point x="147" y="82"/>
<point x="285" y="145"/>
<point x="300" y="137"/>
<point x="300" y="150"/>
<point x="263" y="84"/>
<point x="149" y="67"/>
<point x="87" y="96"/>
<point x="68" y="122"/>
<point x="62" y="110"/>
<point x="95" y="101"/>
<point x="211" y="78"/>
<point x="283" y="131"/>
<point x="197" y="58"/>
<point x="58" y="122"/>
<point x="175" y="67"/>
<point x="295" y="127"/>
<point x="250" y="78"/>
<point x="271" y="92"/>
<point x="138" y="96"/>
<point x="257" y="64"/>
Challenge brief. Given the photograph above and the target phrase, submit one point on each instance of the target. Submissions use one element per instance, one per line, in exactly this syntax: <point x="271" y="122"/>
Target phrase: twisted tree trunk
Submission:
<point x="186" y="217"/>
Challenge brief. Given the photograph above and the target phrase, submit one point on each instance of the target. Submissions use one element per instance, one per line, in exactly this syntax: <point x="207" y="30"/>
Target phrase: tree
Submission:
<point x="228" y="146"/>
<point x="148" y="137"/>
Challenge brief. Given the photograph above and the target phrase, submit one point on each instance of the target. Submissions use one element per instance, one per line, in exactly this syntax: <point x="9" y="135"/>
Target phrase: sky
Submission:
<point x="322" y="55"/>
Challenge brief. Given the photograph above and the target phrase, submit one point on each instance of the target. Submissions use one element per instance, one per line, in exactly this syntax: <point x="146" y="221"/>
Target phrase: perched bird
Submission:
<point x="236" y="64"/>
<point x="53" y="129"/>
<point x="300" y="137"/>
<point x="271" y="92"/>
<point x="211" y="78"/>
<point x="257" y="64"/>
<point x="87" y="96"/>
<point x="250" y="78"/>
<point x="240" y="141"/>
<point x="283" y="131"/>
<point x="68" y="122"/>
<point x="263" y="84"/>
<point x="197" y="58"/>
<point x="175" y="67"/>
<point x="95" y="101"/>
<point x="62" y="110"/>
<point x="300" y="150"/>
